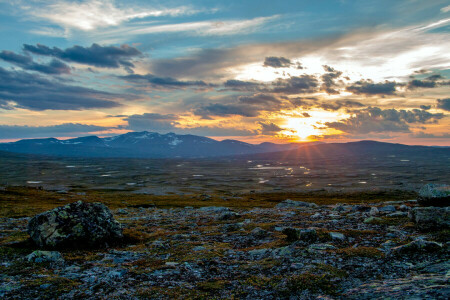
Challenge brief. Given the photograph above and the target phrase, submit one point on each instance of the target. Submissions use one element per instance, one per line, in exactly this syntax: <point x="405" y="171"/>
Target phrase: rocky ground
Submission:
<point x="294" y="250"/>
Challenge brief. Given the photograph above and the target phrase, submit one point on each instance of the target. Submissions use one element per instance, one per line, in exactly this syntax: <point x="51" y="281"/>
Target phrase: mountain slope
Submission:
<point x="141" y="144"/>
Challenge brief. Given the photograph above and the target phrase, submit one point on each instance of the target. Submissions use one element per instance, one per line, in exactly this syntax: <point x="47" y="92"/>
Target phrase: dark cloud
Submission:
<point x="239" y="85"/>
<point x="429" y="82"/>
<point x="425" y="107"/>
<point x="246" y="106"/>
<point x="424" y="135"/>
<point x="306" y="115"/>
<point x="151" y="122"/>
<point x="34" y="92"/>
<point x="277" y="62"/>
<point x="329" y="80"/>
<point x="368" y="87"/>
<point x="295" y="85"/>
<point x="269" y="128"/>
<point x="169" y="123"/>
<point x="218" y="109"/>
<point x="374" y="119"/>
<point x="166" y="82"/>
<point x="304" y="103"/>
<point x="62" y="130"/>
<point x="95" y="55"/>
<point x="260" y="99"/>
<point x="444" y="104"/>
<point x="341" y="104"/>
<point x="26" y="62"/>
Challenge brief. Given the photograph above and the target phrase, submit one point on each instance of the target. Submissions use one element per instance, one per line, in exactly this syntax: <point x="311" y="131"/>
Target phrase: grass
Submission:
<point x="370" y="252"/>
<point x="16" y="202"/>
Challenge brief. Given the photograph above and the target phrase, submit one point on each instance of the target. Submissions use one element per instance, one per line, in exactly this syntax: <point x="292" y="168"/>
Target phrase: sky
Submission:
<point x="257" y="71"/>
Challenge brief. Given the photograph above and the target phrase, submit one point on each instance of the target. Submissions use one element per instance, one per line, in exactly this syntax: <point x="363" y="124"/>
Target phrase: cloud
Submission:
<point x="239" y="85"/>
<point x="169" y="123"/>
<point x="91" y="15"/>
<point x="429" y="82"/>
<point x="328" y="80"/>
<point x="31" y="91"/>
<point x="341" y="104"/>
<point x="368" y="87"/>
<point x="62" y="130"/>
<point x="269" y="128"/>
<point x="295" y="85"/>
<point x="245" y="106"/>
<point x="374" y="119"/>
<point x="151" y="122"/>
<point x="167" y="82"/>
<point x="95" y="55"/>
<point x="443" y="104"/>
<point x="27" y="63"/>
<point x="277" y="62"/>
<point x="425" y="135"/>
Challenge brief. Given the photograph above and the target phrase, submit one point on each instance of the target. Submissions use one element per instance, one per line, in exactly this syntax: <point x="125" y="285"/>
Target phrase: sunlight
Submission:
<point x="302" y="127"/>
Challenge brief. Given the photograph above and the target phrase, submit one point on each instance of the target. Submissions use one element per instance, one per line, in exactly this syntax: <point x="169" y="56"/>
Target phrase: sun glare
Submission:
<point x="301" y="127"/>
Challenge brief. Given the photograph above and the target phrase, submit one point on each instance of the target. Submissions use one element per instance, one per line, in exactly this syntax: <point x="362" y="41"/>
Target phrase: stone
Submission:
<point x="417" y="246"/>
<point x="214" y="209"/>
<point x="434" y="195"/>
<point x="259" y="233"/>
<point x="427" y="218"/>
<point x="292" y="234"/>
<point x="228" y="215"/>
<point x="288" y="203"/>
<point x="374" y="211"/>
<point x="308" y="235"/>
<point x="77" y="225"/>
<point x="337" y="236"/>
<point x="39" y="256"/>
<point x="387" y="209"/>
<point x="373" y="220"/>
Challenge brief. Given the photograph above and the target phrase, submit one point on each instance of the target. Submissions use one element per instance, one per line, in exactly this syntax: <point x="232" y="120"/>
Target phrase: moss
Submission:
<point x="212" y="285"/>
<point x="361" y="252"/>
<point x="311" y="282"/>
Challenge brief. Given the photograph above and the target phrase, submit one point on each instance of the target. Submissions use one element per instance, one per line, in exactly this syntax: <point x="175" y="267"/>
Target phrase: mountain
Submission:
<point x="143" y="145"/>
<point x="354" y="151"/>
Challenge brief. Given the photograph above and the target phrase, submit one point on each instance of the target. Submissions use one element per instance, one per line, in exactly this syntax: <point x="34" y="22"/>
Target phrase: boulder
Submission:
<point x="430" y="217"/>
<point x="39" y="256"/>
<point x="417" y="246"/>
<point x="259" y="233"/>
<point x="434" y="195"/>
<point x="288" y="203"/>
<point x="77" y="225"/>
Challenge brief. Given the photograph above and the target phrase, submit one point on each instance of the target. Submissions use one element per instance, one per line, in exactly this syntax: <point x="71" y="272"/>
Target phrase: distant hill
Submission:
<point x="359" y="150"/>
<point x="142" y="145"/>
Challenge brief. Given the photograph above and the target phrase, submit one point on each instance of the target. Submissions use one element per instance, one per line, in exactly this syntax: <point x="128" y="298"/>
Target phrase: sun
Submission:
<point x="302" y="127"/>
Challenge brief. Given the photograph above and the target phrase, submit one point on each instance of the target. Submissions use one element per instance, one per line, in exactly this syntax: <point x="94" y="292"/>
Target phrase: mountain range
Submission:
<point x="142" y="145"/>
<point x="155" y="145"/>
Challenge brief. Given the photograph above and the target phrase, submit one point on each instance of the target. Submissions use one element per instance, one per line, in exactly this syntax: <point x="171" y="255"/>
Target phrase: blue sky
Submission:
<point x="252" y="70"/>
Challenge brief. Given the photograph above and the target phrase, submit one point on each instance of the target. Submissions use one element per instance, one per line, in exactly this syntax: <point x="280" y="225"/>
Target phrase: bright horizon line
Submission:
<point x="251" y="141"/>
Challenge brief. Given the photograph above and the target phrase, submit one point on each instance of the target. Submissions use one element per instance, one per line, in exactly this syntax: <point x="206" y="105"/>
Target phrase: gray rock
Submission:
<point x="39" y="256"/>
<point x="374" y="211"/>
<point x="337" y="236"/>
<point x="372" y="220"/>
<point x="321" y="247"/>
<point x="434" y="195"/>
<point x="398" y="214"/>
<point x="427" y="218"/>
<point x="288" y="203"/>
<point x="214" y="209"/>
<point x="387" y="209"/>
<point x="417" y="246"/>
<point x="228" y="215"/>
<point x="259" y="233"/>
<point x="308" y="235"/>
<point x="77" y="224"/>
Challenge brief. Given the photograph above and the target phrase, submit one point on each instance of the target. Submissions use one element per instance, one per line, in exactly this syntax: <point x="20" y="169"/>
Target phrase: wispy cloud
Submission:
<point x="91" y="15"/>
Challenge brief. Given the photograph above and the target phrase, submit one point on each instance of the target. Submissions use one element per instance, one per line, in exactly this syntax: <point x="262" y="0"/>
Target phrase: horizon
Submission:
<point x="217" y="139"/>
<point x="294" y="72"/>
